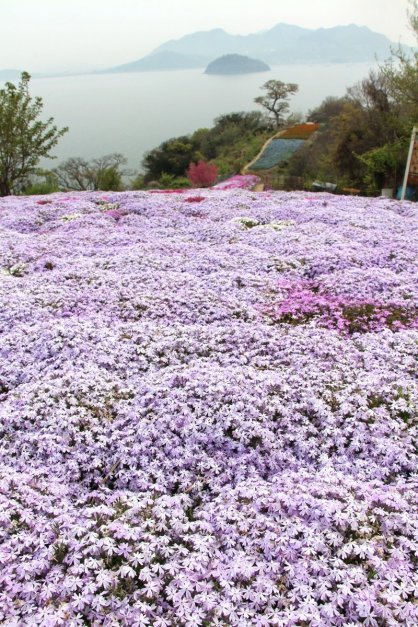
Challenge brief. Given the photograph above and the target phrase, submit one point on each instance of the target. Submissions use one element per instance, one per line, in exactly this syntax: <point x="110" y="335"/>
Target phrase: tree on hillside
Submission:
<point x="275" y="100"/>
<point x="401" y="72"/>
<point x="328" y="109"/>
<point x="229" y="130"/>
<point x="246" y="121"/>
<point x="24" y="138"/>
<point x="171" y="157"/>
<point x="360" y="142"/>
<point x="104" y="173"/>
<point x="232" y="142"/>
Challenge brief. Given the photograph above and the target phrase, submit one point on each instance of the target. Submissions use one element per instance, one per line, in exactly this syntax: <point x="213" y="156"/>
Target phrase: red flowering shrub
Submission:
<point x="202" y="174"/>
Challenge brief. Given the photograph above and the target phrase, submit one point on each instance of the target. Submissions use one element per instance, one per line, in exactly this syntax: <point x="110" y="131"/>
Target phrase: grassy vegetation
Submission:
<point x="233" y="141"/>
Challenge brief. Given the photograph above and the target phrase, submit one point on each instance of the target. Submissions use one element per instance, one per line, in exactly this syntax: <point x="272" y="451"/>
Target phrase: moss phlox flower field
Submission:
<point x="208" y="409"/>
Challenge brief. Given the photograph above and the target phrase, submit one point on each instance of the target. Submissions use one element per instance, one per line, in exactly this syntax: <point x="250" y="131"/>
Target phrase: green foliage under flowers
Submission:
<point x="110" y="179"/>
<point x="44" y="182"/>
<point x="380" y="161"/>
<point x="169" y="181"/>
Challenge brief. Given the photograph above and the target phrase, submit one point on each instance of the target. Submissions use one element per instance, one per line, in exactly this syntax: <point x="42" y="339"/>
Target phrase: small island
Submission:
<point x="236" y="64"/>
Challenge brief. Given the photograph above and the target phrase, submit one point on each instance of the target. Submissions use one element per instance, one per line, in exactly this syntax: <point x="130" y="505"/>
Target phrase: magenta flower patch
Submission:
<point x="239" y="181"/>
<point x="306" y="300"/>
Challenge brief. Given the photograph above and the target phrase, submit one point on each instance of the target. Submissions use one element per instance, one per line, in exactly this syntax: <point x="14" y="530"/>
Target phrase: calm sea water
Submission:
<point x="133" y="113"/>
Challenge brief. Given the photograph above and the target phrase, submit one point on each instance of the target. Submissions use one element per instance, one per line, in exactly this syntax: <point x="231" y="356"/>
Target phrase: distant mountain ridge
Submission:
<point x="160" y="61"/>
<point x="282" y="44"/>
<point x="287" y="43"/>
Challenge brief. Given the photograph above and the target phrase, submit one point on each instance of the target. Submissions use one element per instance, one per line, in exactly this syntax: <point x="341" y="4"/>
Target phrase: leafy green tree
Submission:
<point x="401" y="72"/>
<point x="172" y="157"/>
<point x="328" y="109"/>
<point x="230" y="130"/>
<point x="246" y="121"/>
<point x="110" y="179"/>
<point x="384" y="165"/>
<point x="24" y="138"/>
<point x="275" y="100"/>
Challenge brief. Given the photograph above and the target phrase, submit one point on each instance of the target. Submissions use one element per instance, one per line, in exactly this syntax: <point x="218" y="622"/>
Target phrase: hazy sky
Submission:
<point x="48" y="35"/>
